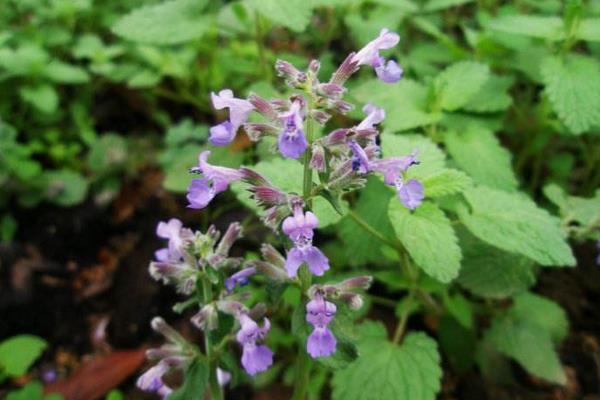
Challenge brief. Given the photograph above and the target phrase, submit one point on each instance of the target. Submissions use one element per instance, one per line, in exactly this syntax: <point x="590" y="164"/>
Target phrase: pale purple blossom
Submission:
<point x="173" y="231"/>
<point x="410" y="193"/>
<point x="299" y="228"/>
<point x="224" y="133"/>
<point x="214" y="181"/>
<point x="292" y="142"/>
<point x="319" y="313"/>
<point x="223" y="377"/>
<point x="375" y="115"/>
<point x="387" y="71"/>
<point x="240" y="278"/>
<point x="255" y="358"/>
<point x="151" y="380"/>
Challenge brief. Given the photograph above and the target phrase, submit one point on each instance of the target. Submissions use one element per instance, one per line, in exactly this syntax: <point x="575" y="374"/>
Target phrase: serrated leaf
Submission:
<point x="195" y="383"/>
<point x="458" y="83"/>
<point x="33" y="390"/>
<point x="107" y="153"/>
<point x="405" y="103"/>
<point x="589" y="30"/>
<point x="489" y="272"/>
<point x="514" y="223"/>
<point x="170" y="22"/>
<point x="293" y="14"/>
<point x="43" y="97"/>
<point x="460" y="308"/>
<point x="446" y="182"/>
<point x="528" y="344"/>
<point x="543" y="312"/>
<point x="573" y="86"/>
<point x="287" y="175"/>
<point x="493" y="95"/>
<point x="543" y="27"/>
<point x="18" y="353"/>
<point x="478" y="152"/>
<point x="435" y="5"/>
<point x="584" y="211"/>
<point x="427" y="235"/>
<point x="360" y="246"/>
<point x="386" y="371"/>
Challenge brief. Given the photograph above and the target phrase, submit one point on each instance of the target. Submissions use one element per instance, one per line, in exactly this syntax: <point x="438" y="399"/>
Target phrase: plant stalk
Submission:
<point x="215" y="389"/>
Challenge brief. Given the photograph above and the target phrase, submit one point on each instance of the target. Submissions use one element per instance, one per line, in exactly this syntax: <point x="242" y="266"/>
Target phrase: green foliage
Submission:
<point x="453" y="91"/>
<point x="512" y="222"/>
<point x="478" y="152"/>
<point x="427" y="235"/>
<point x="293" y="14"/>
<point x="446" y="182"/>
<point x="195" y="381"/>
<point x="489" y="272"/>
<point x="573" y="86"/>
<point x="18" y="353"/>
<point x="170" y="22"/>
<point x="492" y="97"/>
<point x="549" y="28"/>
<point x="527" y="333"/>
<point x="33" y="390"/>
<point x="64" y="187"/>
<point x="387" y="371"/>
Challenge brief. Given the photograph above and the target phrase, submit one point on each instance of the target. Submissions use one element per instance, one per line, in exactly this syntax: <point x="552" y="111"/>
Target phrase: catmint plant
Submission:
<point x="199" y="265"/>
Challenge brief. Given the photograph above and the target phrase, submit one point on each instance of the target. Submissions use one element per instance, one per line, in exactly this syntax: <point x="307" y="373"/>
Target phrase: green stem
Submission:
<point x="214" y="387"/>
<point x="308" y="183"/>
<point x="401" y="327"/>
<point x="264" y="68"/>
<point x="302" y="375"/>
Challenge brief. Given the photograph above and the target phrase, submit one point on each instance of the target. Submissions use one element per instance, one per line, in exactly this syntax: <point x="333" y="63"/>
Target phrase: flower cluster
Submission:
<point x="199" y="264"/>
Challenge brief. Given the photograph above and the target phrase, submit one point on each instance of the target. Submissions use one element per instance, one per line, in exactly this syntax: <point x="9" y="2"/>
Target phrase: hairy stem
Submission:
<point x="308" y="183"/>
<point x="214" y="387"/>
<point x="302" y="375"/>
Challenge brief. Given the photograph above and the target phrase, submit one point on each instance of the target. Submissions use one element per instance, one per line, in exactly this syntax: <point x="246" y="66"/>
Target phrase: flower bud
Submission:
<point x="314" y="66"/>
<point x="233" y="233"/>
<point x="345" y="70"/>
<point x="293" y="76"/>
<point x="317" y="161"/>
<point x="206" y="319"/>
<point x="320" y="116"/>
<point x="267" y="196"/>
<point x="257" y="131"/>
<point x="161" y="326"/>
<point x="331" y="90"/>
<point x="269" y="270"/>
<point x="263" y="106"/>
<point x="271" y="254"/>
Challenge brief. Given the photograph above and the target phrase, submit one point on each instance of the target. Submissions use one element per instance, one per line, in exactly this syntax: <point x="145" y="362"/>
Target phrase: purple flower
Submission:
<point x="292" y="142"/>
<point x="313" y="257"/>
<point x="389" y="71"/>
<point x="173" y="231"/>
<point x="319" y="313"/>
<point x="374" y="116"/>
<point x="223" y="377"/>
<point x="224" y="133"/>
<point x="255" y="358"/>
<point x="151" y="380"/>
<point x="239" y="278"/>
<point x="410" y="193"/>
<point x="215" y="180"/>
<point x="360" y="160"/>
<point x="299" y="229"/>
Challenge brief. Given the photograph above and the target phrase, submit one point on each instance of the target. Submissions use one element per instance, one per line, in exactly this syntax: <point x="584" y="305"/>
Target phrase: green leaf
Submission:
<point x="460" y="308"/>
<point x="293" y="14"/>
<point x="589" y="30"/>
<point x="34" y="390"/>
<point x="405" y="103"/>
<point x="427" y="235"/>
<point x="18" y="353"/>
<point x="493" y="95"/>
<point x="550" y="28"/>
<point x="490" y="272"/>
<point x="387" y="371"/>
<point x="360" y="246"/>
<point x="287" y="175"/>
<point x="454" y="89"/>
<point x="65" y="187"/>
<point x="573" y="86"/>
<point x="62" y="72"/>
<point x="195" y="383"/>
<point x="8" y="228"/>
<point x="514" y="333"/>
<point x="107" y="153"/>
<point x="114" y="395"/>
<point x="435" y="5"/>
<point x="543" y="312"/>
<point x="584" y="211"/>
<point x="170" y="22"/>
<point x="43" y="97"/>
<point x="185" y="131"/>
<point x="514" y="223"/>
<point x="446" y="182"/>
<point x="478" y="152"/>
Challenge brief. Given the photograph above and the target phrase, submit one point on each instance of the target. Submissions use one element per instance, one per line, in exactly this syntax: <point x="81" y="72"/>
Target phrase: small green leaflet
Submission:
<point x="584" y="211"/>
<point x="446" y="182"/>
<point x="489" y="272"/>
<point x="589" y="29"/>
<point x="435" y="5"/>
<point x="383" y="370"/>
<point x="293" y="14"/>
<point x="477" y="151"/>
<point x="514" y="223"/>
<point x="195" y="383"/>
<point x="427" y="235"/>
<point x="169" y="22"/>
<point x="550" y="28"/>
<point x="525" y="333"/>
<point x="18" y="353"/>
<point x="405" y="103"/>
<point x="43" y="97"/>
<point x="573" y="86"/>
<point x="64" y="187"/>
<point x="493" y="95"/>
<point x="454" y="90"/>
